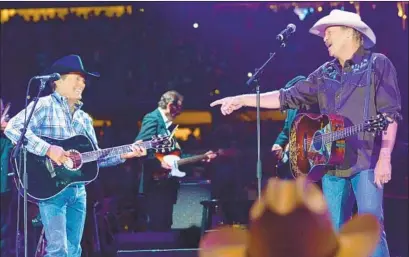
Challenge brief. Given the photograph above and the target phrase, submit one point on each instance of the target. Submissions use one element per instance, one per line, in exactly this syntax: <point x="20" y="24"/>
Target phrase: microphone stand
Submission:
<point x="21" y="144"/>
<point x="256" y="79"/>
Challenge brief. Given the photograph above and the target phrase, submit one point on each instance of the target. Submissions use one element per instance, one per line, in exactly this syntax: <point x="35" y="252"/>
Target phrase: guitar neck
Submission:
<point x="346" y="132"/>
<point x="192" y="159"/>
<point x="109" y="152"/>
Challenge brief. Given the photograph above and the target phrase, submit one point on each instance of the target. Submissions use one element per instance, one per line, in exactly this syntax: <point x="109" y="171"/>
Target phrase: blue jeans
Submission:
<point x="340" y="194"/>
<point x="63" y="218"/>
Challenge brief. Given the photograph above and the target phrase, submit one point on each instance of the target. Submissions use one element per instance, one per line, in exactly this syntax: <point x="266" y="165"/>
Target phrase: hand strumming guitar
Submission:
<point x="165" y="165"/>
<point x="278" y="151"/>
<point x="57" y="154"/>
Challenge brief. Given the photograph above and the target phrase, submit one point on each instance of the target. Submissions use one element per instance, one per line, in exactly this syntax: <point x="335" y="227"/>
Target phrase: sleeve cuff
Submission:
<point x="396" y="116"/>
<point x="283" y="105"/>
<point x="42" y="148"/>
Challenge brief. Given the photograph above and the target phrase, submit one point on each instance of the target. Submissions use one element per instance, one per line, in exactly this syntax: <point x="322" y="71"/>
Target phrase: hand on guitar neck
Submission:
<point x="210" y="155"/>
<point x="60" y="156"/>
<point x="3" y="125"/>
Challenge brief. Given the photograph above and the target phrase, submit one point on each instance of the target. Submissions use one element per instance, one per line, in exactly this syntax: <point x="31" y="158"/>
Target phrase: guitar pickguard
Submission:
<point x="321" y="155"/>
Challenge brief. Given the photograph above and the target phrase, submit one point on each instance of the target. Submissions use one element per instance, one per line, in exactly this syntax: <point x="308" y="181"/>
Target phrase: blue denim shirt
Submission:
<point x="342" y="91"/>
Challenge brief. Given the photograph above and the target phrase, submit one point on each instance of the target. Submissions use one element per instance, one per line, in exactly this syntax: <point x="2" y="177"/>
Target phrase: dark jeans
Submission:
<point x="339" y="194"/>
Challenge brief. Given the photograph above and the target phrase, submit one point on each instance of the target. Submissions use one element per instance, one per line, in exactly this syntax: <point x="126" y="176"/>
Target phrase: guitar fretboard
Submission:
<point x="192" y="159"/>
<point x="109" y="152"/>
<point x="346" y="132"/>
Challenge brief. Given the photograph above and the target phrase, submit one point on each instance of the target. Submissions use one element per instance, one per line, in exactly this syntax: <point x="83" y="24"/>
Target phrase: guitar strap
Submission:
<point x="368" y="88"/>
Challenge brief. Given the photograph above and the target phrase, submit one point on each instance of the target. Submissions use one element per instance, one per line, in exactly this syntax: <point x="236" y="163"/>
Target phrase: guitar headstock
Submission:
<point x="377" y="124"/>
<point x="162" y="143"/>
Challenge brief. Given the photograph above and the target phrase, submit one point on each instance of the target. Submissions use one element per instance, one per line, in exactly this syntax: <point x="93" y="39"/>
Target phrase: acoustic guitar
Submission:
<point x="46" y="179"/>
<point x="317" y="142"/>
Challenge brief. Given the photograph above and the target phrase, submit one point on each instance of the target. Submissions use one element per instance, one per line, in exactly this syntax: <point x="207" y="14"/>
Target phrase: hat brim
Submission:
<point x="358" y="238"/>
<point x="64" y="70"/>
<point x="369" y="37"/>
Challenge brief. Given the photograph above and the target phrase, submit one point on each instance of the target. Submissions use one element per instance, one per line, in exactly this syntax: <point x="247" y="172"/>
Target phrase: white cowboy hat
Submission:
<point x="344" y="18"/>
<point x="292" y="220"/>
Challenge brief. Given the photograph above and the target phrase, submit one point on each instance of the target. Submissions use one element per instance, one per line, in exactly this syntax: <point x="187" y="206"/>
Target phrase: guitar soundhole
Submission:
<point x="317" y="141"/>
<point x="74" y="161"/>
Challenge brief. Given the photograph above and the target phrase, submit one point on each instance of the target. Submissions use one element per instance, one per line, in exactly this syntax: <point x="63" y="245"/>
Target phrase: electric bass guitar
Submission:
<point x="46" y="179"/>
<point x="317" y="142"/>
<point x="174" y="161"/>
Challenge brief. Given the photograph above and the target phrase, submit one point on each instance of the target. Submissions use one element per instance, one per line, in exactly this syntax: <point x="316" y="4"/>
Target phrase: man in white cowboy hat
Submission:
<point x="59" y="116"/>
<point x="356" y="84"/>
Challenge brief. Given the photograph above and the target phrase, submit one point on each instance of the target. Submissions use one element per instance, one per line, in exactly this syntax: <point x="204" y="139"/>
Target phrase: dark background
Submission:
<point x="142" y="55"/>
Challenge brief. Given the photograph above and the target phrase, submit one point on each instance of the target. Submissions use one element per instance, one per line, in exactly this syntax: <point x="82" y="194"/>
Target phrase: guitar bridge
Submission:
<point x="305" y="145"/>
<point x="50" y="167"/>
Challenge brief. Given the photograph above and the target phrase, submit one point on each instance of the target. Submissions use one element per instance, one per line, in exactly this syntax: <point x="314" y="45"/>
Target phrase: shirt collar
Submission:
<point x="165" y="118"/>
<point x="357" y="57"/>
<point x="62" y="99"/>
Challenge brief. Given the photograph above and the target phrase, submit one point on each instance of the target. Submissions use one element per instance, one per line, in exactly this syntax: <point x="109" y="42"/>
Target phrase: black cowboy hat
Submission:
<point x="68" y="64"/>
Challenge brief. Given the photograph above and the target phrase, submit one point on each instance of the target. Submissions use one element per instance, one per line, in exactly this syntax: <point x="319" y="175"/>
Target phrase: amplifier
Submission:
<point x="188" y="211"/>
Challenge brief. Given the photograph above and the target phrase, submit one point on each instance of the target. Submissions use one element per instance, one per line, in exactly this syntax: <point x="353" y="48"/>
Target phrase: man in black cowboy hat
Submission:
<point x="59" y="116"/>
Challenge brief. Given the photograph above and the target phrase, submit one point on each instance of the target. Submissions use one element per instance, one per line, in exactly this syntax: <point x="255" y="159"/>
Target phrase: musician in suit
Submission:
<point x="160" y="196"/>
<point x="5" y="188"/>
<point x="356" y="84"/>
<point x="59" y="116"/>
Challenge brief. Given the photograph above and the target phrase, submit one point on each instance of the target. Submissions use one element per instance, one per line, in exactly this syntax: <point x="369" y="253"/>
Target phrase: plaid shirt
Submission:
<point x="52" y="119"/>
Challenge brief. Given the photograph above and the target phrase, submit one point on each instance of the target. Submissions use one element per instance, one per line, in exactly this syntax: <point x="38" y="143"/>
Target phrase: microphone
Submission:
<point x="286" y="32"/>
<point x="52" y="77"/>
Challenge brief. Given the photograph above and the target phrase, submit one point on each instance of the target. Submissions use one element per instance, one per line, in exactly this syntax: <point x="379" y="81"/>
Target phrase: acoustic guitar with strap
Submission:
<point x="47" y="179"/>
<point x="317" y="142"/>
